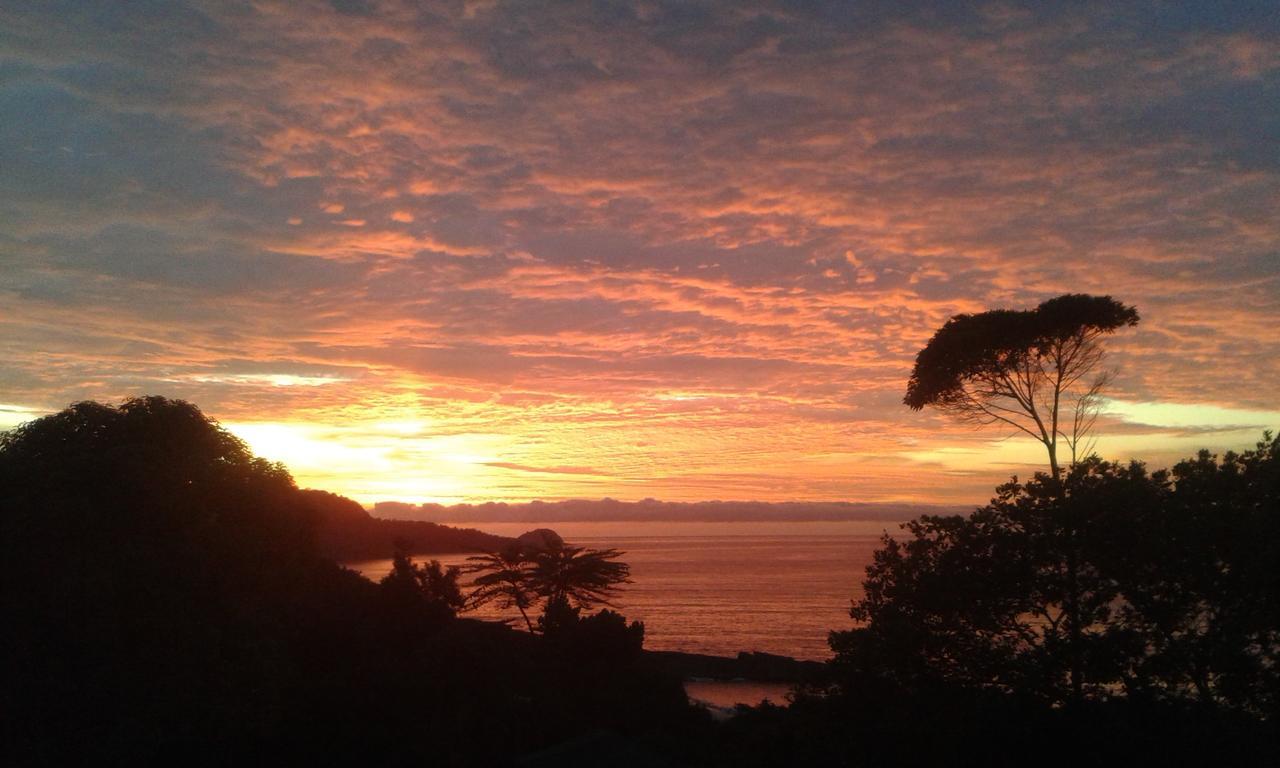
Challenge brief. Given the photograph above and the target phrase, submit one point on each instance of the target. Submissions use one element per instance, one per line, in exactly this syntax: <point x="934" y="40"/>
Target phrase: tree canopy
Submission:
<point x="427" y="593"/>
<point x="110" y="480"/>
<point x="566" y="579"/>
<point x="583" y="577"/>
<point x="1147" y="585"/>
<point x="1028" y="369"/>
<point x="502" y="577"/>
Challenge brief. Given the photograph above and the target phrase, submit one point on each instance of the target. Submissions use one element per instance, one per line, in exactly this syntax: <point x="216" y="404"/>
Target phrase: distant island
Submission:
<point x="601" y="510"/>
<point x="348" y="532"/>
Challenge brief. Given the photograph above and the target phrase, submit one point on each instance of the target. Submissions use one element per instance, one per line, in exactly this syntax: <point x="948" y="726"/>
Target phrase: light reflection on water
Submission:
<point x="721" y="588"/>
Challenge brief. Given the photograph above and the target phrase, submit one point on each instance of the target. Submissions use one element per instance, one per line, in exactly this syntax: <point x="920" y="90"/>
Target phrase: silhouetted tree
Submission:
<point x="600" y="639"/>
<point x="988" y="600"/>
<point x="153" y="569"/>
<point x="1031" y="370"/>
<point x="503" y="577"/>
<point x="427" y="595"/>
<point x="1113" y="581"/>
<point x="578" y="576"/>
<point x="558" y="616"/>
<point x="567" y="578"/>
<point x="1202" y="586"/>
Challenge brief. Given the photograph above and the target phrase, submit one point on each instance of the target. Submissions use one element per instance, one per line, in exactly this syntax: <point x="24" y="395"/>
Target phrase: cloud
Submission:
<point x="549" y="470"/>
<point x="538" y="223"/>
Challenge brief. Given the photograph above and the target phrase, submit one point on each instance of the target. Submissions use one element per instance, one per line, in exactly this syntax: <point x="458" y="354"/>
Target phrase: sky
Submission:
<point x="482" y="250"/>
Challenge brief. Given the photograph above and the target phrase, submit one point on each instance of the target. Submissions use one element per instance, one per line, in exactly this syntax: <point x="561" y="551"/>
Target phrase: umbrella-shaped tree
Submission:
<point x="1037" y="371"/>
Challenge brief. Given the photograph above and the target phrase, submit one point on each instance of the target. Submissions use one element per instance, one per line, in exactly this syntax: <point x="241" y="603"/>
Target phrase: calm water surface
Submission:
<point x="721" y="588"/>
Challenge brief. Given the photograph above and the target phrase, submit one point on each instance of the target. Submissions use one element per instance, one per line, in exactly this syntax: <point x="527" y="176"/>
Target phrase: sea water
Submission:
<point x="722" y="588"/>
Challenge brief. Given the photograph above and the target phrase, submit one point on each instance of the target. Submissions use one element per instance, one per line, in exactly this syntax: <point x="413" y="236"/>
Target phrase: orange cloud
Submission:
<point x="695" y="258"/>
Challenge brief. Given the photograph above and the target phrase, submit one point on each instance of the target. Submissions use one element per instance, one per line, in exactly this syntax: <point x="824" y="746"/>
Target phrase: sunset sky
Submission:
<point x="686" y="250"/>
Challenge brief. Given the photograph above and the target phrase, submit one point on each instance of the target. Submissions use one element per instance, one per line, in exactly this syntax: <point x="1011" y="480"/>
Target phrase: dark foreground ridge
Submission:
<point x="167" y="600"/>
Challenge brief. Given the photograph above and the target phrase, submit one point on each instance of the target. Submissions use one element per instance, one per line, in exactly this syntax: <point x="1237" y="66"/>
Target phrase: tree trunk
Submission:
<point x="1073" y="616"/>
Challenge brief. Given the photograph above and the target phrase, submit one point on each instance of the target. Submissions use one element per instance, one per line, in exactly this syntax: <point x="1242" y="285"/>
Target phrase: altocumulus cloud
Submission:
<point x="538" y="225"/>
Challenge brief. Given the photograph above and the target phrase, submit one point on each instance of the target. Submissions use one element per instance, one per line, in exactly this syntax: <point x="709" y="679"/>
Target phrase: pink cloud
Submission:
<point x="582" y="233"/>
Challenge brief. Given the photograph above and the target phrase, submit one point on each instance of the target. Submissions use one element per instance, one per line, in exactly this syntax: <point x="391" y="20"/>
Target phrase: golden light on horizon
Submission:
<point x="398" y="459"/>
<point x="401" y="453"/>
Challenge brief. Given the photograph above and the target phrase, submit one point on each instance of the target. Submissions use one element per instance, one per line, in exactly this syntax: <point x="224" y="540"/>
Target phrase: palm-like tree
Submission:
<point x="582" y="577"/>
<point x="505" y="579"/>
<point x="519" y="578"/>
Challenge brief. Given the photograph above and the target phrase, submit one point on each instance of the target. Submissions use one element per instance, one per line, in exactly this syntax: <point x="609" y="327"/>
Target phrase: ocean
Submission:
<point x="721" y="588"/>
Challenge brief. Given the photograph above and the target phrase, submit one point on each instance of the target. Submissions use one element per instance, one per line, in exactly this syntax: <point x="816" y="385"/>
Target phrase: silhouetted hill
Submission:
<point x="345" y="532"/>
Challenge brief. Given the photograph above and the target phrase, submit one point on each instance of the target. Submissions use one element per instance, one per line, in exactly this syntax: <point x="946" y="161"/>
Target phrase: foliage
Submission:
<point x="583" y="577"/>
<point x="1030" y="370"/>
<point x="503" y="578"/>
<point x="202" y="481"/>
<point x="428" y="593"/>
<point x="1115" y="582"/>
<point x="604" y="636"/>
<point x="1203" y="589"/>
<point x="151" y="561"/>
<point x="567" y="579"/>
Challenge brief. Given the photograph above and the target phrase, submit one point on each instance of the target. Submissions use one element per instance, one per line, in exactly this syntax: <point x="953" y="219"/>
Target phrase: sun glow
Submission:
<point x="378" y="461"/>
<point x="272" y="379"/>
<point x="13" y="415"/>
<point x="308" y="449"/>
<point x="1194" y="416"/>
